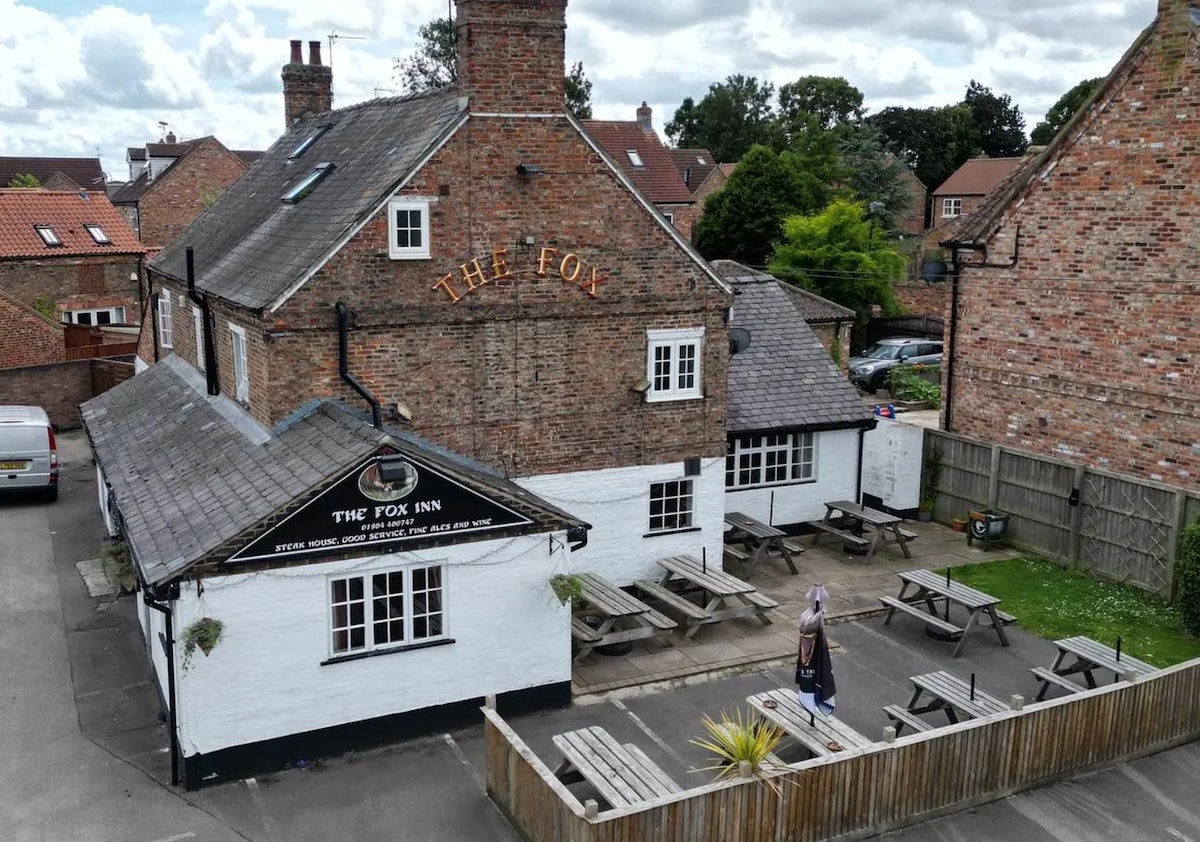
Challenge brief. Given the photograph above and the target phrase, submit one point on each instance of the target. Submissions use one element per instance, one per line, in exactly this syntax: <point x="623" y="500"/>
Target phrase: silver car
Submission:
<point x="28" y="451"/>
<point x="870" y="371"/>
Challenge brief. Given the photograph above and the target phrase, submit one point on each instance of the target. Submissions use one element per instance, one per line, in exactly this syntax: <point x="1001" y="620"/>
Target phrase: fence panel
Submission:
<point x="1036" y="494"/>
<point x="1126" y="531"/>
<point x="965" y="474"/>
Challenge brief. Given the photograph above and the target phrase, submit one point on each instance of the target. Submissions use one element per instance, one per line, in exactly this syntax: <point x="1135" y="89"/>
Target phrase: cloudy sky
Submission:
<point x="86" y="77"/>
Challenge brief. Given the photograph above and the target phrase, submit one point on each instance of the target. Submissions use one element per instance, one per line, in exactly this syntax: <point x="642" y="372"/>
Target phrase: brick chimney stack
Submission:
<point x="511" y="55"/>
<point x="645" y="117"/>
<point x="307" y="88"/>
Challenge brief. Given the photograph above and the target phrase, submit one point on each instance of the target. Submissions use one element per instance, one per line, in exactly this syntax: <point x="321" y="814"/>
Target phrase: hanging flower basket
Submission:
<point x="566" y="587"/>
<point x="202" y="634"/>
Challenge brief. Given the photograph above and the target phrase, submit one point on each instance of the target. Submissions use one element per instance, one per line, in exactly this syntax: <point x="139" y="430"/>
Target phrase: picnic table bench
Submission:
<point x="724" y="597"/>
<point x="758" y="540"/>
<point x="821" y="735"/>
<point x="850" y="522"/>
<point x="951" y="694"/>
<point x="929" y="588"/>
<point x="620" y="617"/>
<point x="1088" y="656"/>
<point x="622" y="774"/>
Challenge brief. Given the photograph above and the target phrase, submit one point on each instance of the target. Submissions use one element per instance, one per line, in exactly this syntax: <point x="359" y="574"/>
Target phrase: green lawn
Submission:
<point x="1053" y="602"/>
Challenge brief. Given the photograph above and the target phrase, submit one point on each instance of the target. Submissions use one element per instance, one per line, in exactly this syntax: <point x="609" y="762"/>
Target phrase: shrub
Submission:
<point x="117" y="564"/>
<point x="907" y="384"/>
<point x="1187" y="575"/>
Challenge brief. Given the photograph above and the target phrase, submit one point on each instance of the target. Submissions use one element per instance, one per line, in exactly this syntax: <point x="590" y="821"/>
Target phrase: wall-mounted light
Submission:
<point x="403" y="412"/>
<point x="392" y="468"/>
<point x="529" y="169"/>
<point x="641" y="387"/>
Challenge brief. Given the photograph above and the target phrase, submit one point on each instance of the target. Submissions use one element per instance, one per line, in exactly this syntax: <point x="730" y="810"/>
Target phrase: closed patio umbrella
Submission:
<point x="814" y="666"/>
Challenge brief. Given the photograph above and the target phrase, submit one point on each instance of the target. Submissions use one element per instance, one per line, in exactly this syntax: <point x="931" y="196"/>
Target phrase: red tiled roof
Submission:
<point x="657" y="179"/>
<point x="85" y="172"/>
<point x="693" y="165"/>
<point x="66" y="213"/>
<point x="977" y="177"/>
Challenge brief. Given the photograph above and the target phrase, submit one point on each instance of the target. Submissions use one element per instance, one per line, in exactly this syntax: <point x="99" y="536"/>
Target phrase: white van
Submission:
<point x="28" y="452"/>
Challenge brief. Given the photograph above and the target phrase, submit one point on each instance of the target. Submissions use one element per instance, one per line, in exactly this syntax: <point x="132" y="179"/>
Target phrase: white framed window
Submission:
<point x="408" y="229"/>
<point x="635" y="158"/>
<point x="48" y="235"/>
<point x="671" y="505"/>
<point x="198" y="329"/>
<point x="241" y="372"/>
<point x="951" y="207"/>
<point x="673" y="364"/>
<point x="386" y="610"/>
<point x="98" y="234"/>
<point x="166" y="329"/>
<point x="770" y="459"/>
<point x="670" y="216"/>
<point x="95" y="316"/>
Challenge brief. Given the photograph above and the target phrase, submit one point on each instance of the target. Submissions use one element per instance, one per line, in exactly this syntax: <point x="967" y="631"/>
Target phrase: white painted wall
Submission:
<point x="892" y="463"/>
<point x="836" y="479"/>
<point x="102" y="500"/>
<point x="265" y="679"/>
<point x="616" y="502"/>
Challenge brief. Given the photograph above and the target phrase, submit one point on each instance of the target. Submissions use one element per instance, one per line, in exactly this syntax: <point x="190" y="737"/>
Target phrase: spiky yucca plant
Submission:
<point x="742" y="739"/>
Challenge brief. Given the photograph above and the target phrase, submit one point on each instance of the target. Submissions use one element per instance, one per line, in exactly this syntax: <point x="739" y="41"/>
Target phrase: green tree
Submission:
<point x="24" y="179"/>
<point x="733" y="116"/>
<point x="1062" y="111"/>
<point x="933" y="142"/>
<point x="839" y="255"/>
<point x="435" y="65"/>
<point x="743" y="219"/>
<point x="997" y="126"/>
<point x="875" y="175"/>
<point x="830" y="99"/>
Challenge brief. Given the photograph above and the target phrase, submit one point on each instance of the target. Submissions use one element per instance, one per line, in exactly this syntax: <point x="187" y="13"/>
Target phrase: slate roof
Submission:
<point x="131" y="192"/>
<point x="171" y="150"/>
<point x="248" y="156"/>
<point x="693" y="166"/>
<point x="86" y="172"/>
<point x="191" y="472"/>
<point x="66" y="213"/>
<point x="251" y="248"/>
<point x="135" y="153"/>
<point x="977" y="177"/>
<point x="813" y="308"/>
<point x="658" y="180"/>
<point x="785" y="379"/>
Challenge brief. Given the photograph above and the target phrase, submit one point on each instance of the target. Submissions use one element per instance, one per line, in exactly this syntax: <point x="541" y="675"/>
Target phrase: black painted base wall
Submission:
<point x="244" y="761"/>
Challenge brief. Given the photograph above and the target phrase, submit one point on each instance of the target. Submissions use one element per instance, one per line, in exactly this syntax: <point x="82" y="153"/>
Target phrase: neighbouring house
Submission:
<point x="29" y="337"/>
<point x="470" y="356"/>
<point x="700" y="172"/>
<point x="55" y="173"/>
<point x="829" y="321"/>
<point x="912" y="222"/>
<point x="795" y="423"/>
<point x="1073" y="330"/>
<point x="172" y="182"/>
<point x="70" y="256"/>
<point x="636" y="148"/>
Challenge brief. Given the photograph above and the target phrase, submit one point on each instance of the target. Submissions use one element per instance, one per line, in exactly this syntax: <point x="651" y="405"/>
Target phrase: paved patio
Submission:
<point x="854" y="588"/>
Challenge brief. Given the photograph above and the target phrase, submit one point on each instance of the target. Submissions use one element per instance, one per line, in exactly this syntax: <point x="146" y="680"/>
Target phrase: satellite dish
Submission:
<point x="739" y="340"/>
<point x="934" y="271"/>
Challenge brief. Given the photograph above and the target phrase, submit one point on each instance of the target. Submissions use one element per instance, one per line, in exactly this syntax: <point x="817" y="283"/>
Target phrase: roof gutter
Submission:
<point x="211" y="378"/>
<point x="344" y="368"/>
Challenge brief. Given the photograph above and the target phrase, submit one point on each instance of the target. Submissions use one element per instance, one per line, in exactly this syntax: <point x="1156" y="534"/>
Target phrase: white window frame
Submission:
<point x="675" y="501"/>
<point x="166" y="327"/>
<point x="241" y="368"/>
<point x="951" y="207"/>
<point x="766" y="454"/>
<point x="375" y="617"/>
<point x="668" y="346"/>
<point x="635" y="158"/>
<point x="116" y="316"/>
<point x="49" y="235"/>
<point x="98" y="234"/>
<point x="198" y="328"/>
<point x="669" y="216"/>
<point x="396" y="252"/>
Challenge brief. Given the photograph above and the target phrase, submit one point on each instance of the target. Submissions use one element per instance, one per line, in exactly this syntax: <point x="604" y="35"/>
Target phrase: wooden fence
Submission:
<point x="1121" y="528"/>
<point x="868" y="791"/>
<point x="111" y="349"/>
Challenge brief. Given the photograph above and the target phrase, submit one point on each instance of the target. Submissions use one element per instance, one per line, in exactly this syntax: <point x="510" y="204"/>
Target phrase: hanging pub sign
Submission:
<point x="383" y="503"/>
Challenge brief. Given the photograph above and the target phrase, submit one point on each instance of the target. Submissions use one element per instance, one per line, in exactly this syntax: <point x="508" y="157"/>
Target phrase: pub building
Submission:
<point x="425" y="354"/>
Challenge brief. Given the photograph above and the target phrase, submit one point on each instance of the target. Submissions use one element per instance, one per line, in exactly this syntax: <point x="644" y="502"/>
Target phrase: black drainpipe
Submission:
<point x="948" y="399"/>
<point x="344" y="369"/>
<point x="153" y="315"/>
<point x="168" y="643"/>
<point x="210" y="352"/>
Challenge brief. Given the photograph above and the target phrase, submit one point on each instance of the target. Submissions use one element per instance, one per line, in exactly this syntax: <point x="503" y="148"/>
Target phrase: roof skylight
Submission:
<point x="49" y="237"/>
<point x="306" y="184"/>
<point x="98" y="234"/>
<point x="700" y="160"/>
<point x="634" y="157"/>
<point x="308" y="141"/>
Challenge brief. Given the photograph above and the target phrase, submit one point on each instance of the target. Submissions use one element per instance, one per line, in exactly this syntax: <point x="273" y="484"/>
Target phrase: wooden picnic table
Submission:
<point x="850" y="522"/>
<point x="1088" y="656"/>
<point x="951" y="694"/>
<point x="621" y="617"/>
<point x="622" y="774"/>
<point x="929" y="588"/>
<point x="821" y="735"/>
<point x="723" y="597"/>
<point x="758" y="540"/>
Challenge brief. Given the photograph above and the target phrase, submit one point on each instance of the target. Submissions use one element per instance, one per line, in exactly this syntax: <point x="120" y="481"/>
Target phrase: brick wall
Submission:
<point x="1087" y="348"/>
<point x="58" y="388"/>
<point x="27" y="338"/>
<point x="683" y="217"/>
<point x="969" y="203"/>
<point x="307" y="88"/>
<point x="182" y="194"/>
<point x="831" y="334"/>
<point x="74" y="283"/>
<point x="511" y="55"/>
<point x="922" y="299"/>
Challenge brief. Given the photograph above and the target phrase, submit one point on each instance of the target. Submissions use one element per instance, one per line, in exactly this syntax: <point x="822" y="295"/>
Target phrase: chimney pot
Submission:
<point x="170" y="137"/>
<point x="314" y="52"/>
<point x="297" y="55"/>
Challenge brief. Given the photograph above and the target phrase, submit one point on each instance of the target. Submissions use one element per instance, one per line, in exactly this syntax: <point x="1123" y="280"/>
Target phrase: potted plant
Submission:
<point x="202" y="633"/>
<point x="959" y="524"/>
<point x="743" y="747"/>
<point x="925" y="510"/>
<point x="566" y="587"/>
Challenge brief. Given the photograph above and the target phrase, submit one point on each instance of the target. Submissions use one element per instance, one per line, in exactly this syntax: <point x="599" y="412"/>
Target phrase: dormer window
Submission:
<point x="308" y="141"/>
<point x="98" y="234"/>
<point x="306" y="184"/>
<point x="49" y="237"/>
<point x="634" y="157"/>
